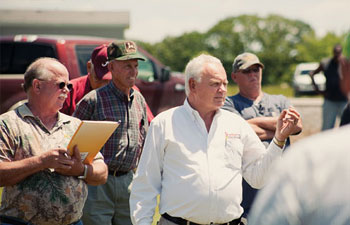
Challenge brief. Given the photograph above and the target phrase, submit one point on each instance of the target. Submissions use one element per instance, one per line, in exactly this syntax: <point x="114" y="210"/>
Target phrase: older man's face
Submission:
<point x="124" y="72"/>
<point x="248" y="79"/>
<point x="54" y="89"/>
<point x="211" y="91"/>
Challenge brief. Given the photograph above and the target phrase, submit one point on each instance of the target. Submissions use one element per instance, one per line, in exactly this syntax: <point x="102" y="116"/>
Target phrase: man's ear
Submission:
<point x="88" y="66"/>
<point x="233" y="77"/>
<point x="192" y="84"/>
<point x="36" y="86"/>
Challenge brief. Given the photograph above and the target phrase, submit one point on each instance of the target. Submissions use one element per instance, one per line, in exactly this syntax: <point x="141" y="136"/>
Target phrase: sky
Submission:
<point x="153" y="20"/>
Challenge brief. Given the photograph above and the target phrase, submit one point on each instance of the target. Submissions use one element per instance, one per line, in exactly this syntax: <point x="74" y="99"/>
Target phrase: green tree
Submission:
<point x="272" y="38"/>
<point x="313" y="49"/>
<point x="175" y="52"/>
<point x="279" y="42"/>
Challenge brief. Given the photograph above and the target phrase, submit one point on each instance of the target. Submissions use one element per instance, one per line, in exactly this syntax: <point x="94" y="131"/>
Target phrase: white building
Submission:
<point x="91" y="23"/>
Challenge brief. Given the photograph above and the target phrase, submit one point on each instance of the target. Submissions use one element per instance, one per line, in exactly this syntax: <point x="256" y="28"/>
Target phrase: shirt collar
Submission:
<point x="24" y="111"/>
<point x="119" y="93"/>
<point x="249" y="101"/>
<point x="194" y="113"/>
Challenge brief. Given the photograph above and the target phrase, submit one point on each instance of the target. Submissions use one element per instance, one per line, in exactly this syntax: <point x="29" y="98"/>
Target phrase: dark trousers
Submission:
<point x="9" y="220"/>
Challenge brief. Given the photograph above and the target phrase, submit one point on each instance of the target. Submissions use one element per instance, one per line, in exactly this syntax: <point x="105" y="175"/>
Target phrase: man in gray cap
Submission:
<point x="116" y="101"/>
<point x="260" y="109"/>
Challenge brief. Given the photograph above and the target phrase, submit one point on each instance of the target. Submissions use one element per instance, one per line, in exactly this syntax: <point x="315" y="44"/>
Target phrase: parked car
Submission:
<point x="302" y="83"/>
<point x="161" y="89"/>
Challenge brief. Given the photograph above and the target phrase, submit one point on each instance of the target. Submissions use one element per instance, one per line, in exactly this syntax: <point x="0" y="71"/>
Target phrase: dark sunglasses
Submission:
<point x="62" y="85"/>
<point x="248" y="71"/>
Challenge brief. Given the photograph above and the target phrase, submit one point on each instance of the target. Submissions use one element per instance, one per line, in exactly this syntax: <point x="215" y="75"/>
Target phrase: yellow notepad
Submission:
<point x="90" y="138"/>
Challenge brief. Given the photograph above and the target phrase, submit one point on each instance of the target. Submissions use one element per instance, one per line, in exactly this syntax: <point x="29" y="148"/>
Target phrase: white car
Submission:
<point x="302" y="83"/>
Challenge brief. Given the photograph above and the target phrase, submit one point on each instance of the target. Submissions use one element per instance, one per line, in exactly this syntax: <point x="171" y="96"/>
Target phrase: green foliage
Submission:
<point x="279" y="42"/>
<point x="177" y="51"/>
<point x="312" y="49"/>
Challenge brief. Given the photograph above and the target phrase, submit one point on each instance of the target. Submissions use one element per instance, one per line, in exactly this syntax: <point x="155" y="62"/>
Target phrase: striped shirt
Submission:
<point x="123" y="149"/>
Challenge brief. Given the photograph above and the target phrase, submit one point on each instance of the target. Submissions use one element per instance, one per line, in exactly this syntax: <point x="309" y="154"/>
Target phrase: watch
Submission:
<point x="85" y="172"/>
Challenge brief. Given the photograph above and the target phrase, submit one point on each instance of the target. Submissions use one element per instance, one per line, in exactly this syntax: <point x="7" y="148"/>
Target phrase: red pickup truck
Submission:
<point x="161" y="88"/>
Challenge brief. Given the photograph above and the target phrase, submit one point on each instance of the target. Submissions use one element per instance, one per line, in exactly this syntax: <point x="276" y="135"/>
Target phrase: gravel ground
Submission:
<point x="311" y="112"/>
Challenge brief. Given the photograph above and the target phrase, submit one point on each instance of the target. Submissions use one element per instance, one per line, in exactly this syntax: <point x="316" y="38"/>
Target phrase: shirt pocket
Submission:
<point x="233" y="153"/>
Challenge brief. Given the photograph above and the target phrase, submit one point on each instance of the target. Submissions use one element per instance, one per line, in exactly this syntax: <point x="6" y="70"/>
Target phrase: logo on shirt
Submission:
<point x="231" y="135"/>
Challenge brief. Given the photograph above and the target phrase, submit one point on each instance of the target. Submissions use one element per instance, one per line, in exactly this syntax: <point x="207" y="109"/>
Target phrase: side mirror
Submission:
<point x="165" y="74"/>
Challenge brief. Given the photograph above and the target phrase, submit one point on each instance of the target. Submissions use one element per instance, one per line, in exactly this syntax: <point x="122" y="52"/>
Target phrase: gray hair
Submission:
<point x="38" y="69"/>
<point x="195" y="67"/>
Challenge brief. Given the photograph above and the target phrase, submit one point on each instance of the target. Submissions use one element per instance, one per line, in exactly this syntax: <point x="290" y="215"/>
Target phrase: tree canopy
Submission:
<point x="280" y="44"/>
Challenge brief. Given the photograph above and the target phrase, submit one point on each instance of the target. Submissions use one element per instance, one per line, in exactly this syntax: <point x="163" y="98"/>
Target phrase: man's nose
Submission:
<point x="223" y="88"/>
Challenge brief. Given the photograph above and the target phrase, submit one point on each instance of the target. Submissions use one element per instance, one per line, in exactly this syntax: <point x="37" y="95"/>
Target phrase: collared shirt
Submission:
<point x="198" y="174"/>
<point x="43" y="198"/>
<point x="123" y="148"/>
<point x="310" y="184"/>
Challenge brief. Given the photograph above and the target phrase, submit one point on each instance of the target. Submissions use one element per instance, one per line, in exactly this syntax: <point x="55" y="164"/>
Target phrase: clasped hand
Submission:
<point x="62" y="163"/>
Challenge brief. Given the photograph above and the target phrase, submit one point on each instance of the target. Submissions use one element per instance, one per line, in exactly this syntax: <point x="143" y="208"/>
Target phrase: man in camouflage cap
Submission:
<point x="123" y="50"/>
<point x="117" y="101"/>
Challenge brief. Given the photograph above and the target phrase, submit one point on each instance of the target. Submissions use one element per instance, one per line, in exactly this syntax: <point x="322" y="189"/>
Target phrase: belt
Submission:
<point x="117" y="173"/>
<point x="181" y="221"/>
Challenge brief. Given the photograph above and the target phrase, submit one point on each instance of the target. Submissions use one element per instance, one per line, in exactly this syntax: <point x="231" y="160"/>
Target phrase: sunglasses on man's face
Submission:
<point x="62" y="85"/>
<point x="251" y="70"/>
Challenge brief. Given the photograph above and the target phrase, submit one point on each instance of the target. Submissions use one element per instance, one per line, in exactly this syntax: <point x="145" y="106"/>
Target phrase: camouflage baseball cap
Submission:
<point x="245" y="60"/>
<point x="123" y="50"/>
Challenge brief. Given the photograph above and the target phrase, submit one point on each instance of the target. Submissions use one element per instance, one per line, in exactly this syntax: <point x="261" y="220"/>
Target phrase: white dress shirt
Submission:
<point x="310" y="185"/>
<point x="198" y="174"/>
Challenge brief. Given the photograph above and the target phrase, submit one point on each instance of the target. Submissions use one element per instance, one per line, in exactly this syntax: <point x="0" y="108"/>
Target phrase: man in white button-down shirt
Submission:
<point x="195" y="155"/>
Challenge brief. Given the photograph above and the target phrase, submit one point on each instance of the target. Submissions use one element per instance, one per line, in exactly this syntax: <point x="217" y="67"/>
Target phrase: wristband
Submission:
<point x="85" y="172"/>
<point x="279" y="143"/>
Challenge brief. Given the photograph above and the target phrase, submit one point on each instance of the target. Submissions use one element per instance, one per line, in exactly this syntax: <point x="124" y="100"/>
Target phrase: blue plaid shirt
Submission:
<point x="123" y="149"/>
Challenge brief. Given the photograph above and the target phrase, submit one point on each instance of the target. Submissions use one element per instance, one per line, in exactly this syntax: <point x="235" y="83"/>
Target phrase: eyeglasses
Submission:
<point x="248" y="71"/>
<point x="62" y="85"/>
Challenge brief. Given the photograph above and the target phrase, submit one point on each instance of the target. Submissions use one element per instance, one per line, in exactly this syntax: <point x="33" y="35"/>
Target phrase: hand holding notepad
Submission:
<point x="90" y="138"/>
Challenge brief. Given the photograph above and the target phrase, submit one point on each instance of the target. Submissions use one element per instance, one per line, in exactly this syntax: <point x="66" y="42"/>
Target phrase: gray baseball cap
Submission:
<point x="245" y="60"/>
